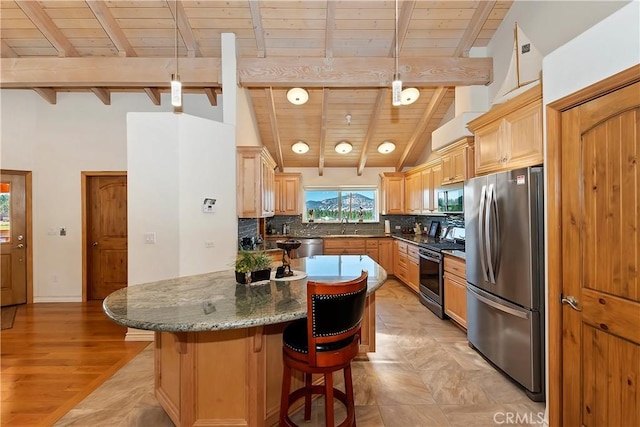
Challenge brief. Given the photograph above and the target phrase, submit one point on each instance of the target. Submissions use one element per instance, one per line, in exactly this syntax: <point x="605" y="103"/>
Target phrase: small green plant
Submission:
<point x="252" y="261"/>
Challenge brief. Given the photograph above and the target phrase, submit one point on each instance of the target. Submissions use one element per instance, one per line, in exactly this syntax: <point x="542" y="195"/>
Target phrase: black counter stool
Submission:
<point x="323" y="342"/>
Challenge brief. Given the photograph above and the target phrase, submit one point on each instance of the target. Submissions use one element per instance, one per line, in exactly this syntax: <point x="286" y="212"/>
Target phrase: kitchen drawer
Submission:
<point x="346" y="243"/>
<point x="372" y="243"/>
<point x="455" y="265"/>
<point x="412" y="251"/>
<point x="401" y="246"/>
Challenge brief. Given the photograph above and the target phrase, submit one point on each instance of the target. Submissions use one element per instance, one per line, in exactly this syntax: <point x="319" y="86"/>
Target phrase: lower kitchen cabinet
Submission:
<point x="455" y="290"/>
<point x="385" y="254"/>
<point x="407" y="265"/>
<point x="345" y="246"/>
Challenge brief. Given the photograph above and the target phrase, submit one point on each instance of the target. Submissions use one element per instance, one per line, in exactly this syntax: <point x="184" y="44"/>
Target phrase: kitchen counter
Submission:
<point x="455" y="253"/>
<point x="214" y="301"/>
<point x="218" y="345"/>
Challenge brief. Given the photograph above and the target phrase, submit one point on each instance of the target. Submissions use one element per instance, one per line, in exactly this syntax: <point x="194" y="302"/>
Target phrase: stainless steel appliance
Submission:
<point x="309" y="247"/>
<point x="431" y="275"/>
<point x="505" y="273"/>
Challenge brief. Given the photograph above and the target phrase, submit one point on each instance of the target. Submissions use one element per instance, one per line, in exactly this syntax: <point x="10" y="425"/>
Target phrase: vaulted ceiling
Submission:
<point x="342" y="52"/>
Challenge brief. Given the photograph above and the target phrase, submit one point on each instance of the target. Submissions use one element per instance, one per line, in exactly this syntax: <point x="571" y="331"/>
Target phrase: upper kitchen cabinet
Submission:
<point x="392" y="193"/>
<point x="457" y="161"/>
<point x="256" y="183"/>
<point x="287" y="192"/>
<point x="509" y="136"/>
<point x="413" y="192"/>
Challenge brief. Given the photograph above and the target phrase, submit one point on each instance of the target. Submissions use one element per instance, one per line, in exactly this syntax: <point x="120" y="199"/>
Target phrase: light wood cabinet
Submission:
<point x="509" y="136"/>
<point x="255" y="183"/>
<point x="413" y="193"/>
<point x="455" y="290"/>
<point x="392" y="197"/>
<point x="385" y="254"/>
<point x="457" y="161"/>
<point x="287" y="193"/>
<point x="345" y="246"/>
<point x="407" y="264"/>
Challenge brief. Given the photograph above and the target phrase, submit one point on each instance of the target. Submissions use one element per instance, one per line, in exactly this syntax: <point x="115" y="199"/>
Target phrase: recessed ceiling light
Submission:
<point x="386" y="147"/>
<point x="343" y="147"/>
<point x="297" y="96"/>
<point x="300" y="147"/>
<point x="409" y="95"/>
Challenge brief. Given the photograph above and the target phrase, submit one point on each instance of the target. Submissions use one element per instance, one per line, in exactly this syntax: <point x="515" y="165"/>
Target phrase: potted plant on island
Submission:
<point x="252" y="267"/>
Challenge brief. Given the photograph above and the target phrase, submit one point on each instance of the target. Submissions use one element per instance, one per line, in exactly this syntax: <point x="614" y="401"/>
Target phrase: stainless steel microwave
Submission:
<point x="451" y="199"/>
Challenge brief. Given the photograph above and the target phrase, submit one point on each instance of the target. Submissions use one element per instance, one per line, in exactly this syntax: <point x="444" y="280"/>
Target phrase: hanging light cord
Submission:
<point x="396" y="75"/>
<point x="176" y="36"/>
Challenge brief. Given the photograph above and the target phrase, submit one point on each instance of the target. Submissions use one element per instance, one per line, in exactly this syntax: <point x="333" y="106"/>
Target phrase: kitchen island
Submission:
<point x="218" y="345"/>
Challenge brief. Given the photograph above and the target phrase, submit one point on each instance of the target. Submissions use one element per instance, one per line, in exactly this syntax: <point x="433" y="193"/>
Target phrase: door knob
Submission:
<point x="20" y="246"/>
<point x="94" y="244"/>
<point x="571" y="302"/>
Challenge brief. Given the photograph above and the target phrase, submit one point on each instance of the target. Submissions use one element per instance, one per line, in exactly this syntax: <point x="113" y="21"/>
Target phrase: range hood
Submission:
<point x="453" y="130"/>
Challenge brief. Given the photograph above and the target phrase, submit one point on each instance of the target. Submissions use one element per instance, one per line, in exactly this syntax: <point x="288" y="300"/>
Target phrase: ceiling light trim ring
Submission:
<point x="343" y="147"/>
<point x="300" y="147"/>
<point x="297" y="95"/>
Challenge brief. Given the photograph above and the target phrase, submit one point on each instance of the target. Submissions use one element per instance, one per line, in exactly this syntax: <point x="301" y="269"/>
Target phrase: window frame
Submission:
<point x="340" y="190"/>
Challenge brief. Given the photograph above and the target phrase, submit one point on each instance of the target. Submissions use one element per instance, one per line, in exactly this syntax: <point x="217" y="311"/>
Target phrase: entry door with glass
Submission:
<point x="13" y="239"/>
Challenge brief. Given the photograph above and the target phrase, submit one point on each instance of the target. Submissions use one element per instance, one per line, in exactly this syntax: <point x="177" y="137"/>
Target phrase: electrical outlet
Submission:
<point x="397" y="227"/>
<point x="63" y="231"/>
<point x="209" y="244"/>
<point x="150" y="238"/>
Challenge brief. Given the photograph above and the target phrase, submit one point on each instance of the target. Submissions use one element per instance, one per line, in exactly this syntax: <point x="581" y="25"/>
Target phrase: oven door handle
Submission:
<point x="430" y="258"/>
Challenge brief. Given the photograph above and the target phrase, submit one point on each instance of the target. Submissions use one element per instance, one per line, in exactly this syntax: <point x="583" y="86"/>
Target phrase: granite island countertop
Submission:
<point x="214" y="301"/>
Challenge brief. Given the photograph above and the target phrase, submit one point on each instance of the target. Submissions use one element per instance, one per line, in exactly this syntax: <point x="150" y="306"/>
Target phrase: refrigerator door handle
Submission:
<point x="481" y="220"/>
<point x="498" y="306"/>
<point x="488" y="234"/>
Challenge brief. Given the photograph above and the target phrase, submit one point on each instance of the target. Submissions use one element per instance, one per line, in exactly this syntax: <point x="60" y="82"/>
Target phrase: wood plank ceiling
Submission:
<point x="342" y="52"/>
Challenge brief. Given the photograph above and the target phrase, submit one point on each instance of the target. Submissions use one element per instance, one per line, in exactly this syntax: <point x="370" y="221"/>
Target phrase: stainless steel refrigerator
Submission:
<point x="505" y="273"/>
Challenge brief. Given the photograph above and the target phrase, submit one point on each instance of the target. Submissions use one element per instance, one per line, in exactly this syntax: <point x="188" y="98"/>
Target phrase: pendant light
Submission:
<point x="176" y="84"/>
<point x="396" y="86"/>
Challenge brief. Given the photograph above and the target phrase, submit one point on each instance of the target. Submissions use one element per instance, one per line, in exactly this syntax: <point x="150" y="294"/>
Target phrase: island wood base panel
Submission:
<point x="232" y="377"/>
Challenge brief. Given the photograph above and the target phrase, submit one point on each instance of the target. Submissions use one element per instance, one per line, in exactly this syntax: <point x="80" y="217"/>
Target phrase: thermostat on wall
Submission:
<point x="207" y="206"/>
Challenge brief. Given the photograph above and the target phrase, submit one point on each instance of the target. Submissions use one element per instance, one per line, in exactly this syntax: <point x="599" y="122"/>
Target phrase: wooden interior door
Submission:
<point x="106" y="235"/>
<point x="601" y="259"/>
<point x="13" y="239"/>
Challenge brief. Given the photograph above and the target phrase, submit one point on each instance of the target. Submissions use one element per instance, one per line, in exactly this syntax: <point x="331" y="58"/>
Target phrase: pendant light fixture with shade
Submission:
<point x="176" y="84"/>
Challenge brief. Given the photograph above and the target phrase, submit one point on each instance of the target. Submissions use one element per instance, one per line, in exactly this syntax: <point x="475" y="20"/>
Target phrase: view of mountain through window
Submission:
<point x="336" y="205"/>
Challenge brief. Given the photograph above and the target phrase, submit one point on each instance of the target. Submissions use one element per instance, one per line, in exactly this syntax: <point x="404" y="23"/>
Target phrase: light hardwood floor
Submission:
<point x="54" y="356"/>
<point x="422" y="374"/>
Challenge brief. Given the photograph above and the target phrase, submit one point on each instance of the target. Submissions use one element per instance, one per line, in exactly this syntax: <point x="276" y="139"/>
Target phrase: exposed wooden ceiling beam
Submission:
<point x="403" y="26"/>
<point x="47" y="93"/>
<point x="255" y="72"/>
<point x="47" y="27"/>
<point x="186" y="32"/>
<point x="154" y="94"/>
<point x="106" y="72"/>
<point x="371" y="130"/>
<point x="363" y="71"/>
<point x="473" y="29"/>
<point x="329" y="26"/>
<point x="6" y="51"/>
<point x="103" y="94"/>
<point x="111" y="27"/>
<point x="211" y="95"/>
<point x="323" y="130"/>
<point x="422" y="124"/>
<point x="256" y="19"/>
<point x="271" y="106"/>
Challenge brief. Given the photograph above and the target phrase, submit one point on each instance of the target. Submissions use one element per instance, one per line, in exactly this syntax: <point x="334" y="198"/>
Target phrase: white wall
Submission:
<point x="333" y="177"/>
<point x="175" y="161"/>
<point x="247" y="132"/>
<point x="58" y="142"/>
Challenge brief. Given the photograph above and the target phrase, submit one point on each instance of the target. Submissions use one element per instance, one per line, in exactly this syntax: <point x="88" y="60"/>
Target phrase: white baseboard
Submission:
<point x="139" y="335"/>
<point x="37" y="299"/>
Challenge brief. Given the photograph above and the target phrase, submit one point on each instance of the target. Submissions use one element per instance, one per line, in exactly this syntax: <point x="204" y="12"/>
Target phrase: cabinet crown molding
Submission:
<point x="532" y="95"/>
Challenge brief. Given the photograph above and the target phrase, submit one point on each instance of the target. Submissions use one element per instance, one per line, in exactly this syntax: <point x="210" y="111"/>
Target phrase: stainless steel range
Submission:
<point x="431" y="274"/>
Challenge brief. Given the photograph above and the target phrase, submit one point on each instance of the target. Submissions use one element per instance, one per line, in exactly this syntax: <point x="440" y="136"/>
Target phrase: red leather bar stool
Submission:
<point x="323" y="342"/>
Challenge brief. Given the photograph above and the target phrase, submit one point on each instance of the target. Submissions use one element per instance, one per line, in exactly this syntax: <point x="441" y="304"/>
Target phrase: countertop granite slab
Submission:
<point x="214" y="301"/>
<point x="455" y="253"/>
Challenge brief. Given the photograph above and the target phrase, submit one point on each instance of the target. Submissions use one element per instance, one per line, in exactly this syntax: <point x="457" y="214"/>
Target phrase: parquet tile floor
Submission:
<point x="422" y="374"/>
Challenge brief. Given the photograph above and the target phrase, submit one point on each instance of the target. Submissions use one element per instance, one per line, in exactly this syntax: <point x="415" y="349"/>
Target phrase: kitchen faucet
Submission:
<point x="344" y="222"/>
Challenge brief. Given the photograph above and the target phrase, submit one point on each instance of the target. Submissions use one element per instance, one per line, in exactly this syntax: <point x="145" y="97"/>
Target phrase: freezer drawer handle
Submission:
<point x="498" y="306"/>
<point x="572" y="302"/>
